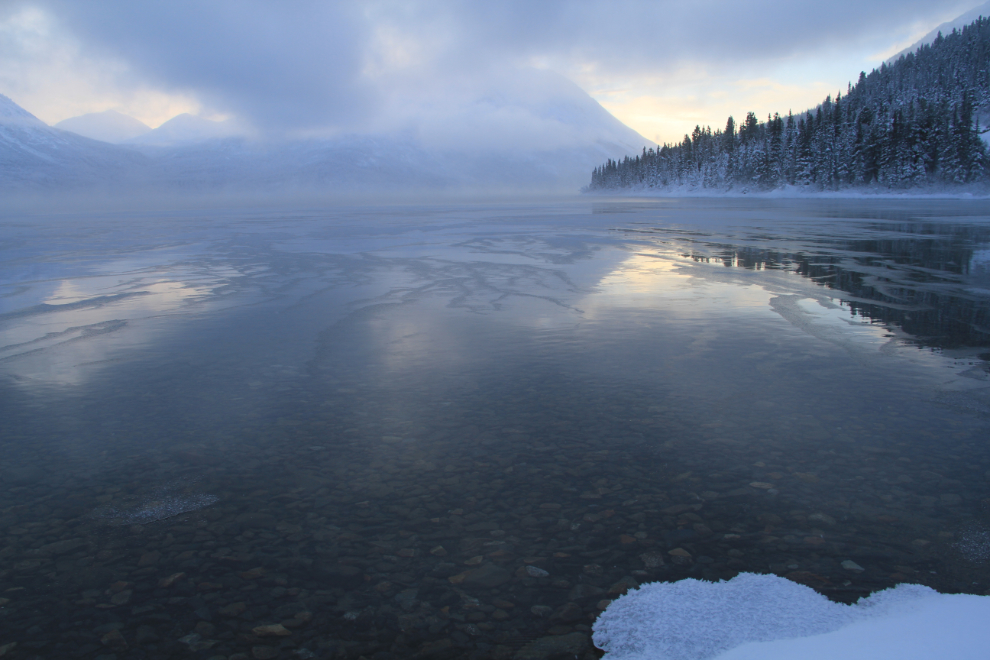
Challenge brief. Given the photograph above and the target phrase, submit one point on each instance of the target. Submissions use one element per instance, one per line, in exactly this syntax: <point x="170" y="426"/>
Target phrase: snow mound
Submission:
<point x="766" y="617"/>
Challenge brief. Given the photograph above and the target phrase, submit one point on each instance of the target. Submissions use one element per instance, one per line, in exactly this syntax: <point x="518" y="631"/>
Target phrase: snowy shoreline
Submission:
<point x="787" y="192"/>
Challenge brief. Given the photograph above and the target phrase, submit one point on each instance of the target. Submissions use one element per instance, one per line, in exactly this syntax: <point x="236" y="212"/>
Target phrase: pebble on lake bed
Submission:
<point x="170" y="580"/>
<point x="822" y="518"/>
<point x="652" y="559"/>
<point x="114" y="640"/>
<point x="264" y="652"/>
<point x="271" y="630"/>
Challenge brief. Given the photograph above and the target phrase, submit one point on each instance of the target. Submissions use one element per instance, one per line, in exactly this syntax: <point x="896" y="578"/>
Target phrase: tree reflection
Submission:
<point x="931" y="280"/>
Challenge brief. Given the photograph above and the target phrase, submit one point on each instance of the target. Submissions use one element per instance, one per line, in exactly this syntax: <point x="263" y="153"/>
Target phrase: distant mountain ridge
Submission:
<point x="35" y="156"/>
<point x="565" y="130"/>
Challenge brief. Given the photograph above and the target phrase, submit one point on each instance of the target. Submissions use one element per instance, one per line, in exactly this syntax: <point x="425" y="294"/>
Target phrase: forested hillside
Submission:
<point x="913" y="124"/>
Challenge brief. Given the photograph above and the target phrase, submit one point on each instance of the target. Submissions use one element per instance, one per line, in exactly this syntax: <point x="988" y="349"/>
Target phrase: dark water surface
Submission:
<point x="460" y="431"/>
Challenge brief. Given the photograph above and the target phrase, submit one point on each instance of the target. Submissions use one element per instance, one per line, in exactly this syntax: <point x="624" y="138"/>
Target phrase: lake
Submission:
<point x="461" y="430"/>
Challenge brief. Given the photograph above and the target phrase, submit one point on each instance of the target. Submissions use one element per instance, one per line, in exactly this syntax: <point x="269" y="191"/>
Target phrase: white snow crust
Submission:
<point x="766" y="617"/>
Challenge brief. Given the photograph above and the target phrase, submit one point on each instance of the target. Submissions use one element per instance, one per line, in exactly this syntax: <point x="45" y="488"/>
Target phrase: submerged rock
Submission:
<point x="155" y="510"/>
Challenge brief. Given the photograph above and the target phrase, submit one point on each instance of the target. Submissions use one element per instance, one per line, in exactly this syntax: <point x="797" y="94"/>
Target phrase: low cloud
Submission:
<point x="310" y="66"/>
<point x="285" y="65"/>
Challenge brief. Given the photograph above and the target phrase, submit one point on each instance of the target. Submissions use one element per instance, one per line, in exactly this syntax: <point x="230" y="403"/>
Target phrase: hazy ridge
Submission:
<point x="569" y="132"/>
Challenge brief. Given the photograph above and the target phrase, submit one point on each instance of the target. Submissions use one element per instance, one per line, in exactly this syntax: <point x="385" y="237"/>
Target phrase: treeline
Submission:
<point x="914" y="123"/>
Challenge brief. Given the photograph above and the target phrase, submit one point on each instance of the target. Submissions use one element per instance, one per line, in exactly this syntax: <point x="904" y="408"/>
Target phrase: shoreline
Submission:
<point x="789" y="192"/>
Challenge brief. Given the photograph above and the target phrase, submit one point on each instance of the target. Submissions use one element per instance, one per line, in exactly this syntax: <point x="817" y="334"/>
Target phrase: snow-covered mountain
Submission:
<point x="945" y="28"/>
<point x="107" y="126"/>
<point x="527" y="110"/>
<point x="536" y="132"/>
<point x="36" y="156"/>
<point x="14" y="115"/>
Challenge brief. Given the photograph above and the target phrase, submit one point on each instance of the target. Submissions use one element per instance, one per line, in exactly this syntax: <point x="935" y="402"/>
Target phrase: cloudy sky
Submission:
<point x="660" y="66"/>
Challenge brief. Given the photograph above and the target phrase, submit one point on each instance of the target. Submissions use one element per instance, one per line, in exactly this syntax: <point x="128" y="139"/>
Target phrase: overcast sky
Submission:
<point x="660" y="66"/>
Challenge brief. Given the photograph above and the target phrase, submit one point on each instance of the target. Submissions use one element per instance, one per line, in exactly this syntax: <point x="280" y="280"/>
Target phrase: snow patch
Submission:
<point x="768" y="617"/>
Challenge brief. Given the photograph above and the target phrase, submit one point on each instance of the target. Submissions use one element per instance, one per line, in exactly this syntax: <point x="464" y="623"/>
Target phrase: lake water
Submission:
<point x="461" y="430"/>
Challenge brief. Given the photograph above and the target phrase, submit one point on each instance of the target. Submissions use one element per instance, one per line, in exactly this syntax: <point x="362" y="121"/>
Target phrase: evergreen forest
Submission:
<point x="911" y="124"/>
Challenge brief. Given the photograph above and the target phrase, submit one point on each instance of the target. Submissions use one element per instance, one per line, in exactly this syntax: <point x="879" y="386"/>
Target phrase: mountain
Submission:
<point x="528" y="131"/>
<point x="36" y="156"/>
<point x="521" y="110"/>
<point x="107" y="126"/>
<point x="187" y="129"/>
<point x="945" y="29"/>
<point x="13" y="115"/>
<point x="913" y="124"/>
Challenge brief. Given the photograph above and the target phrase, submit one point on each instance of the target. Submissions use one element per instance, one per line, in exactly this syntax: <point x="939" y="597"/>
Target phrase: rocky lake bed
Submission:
<point x="467" y="440"/>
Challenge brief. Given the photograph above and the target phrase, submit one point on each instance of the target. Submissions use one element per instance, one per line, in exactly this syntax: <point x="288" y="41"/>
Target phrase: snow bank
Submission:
<point x="765" y="617"/>
<point x="972" y="191"/>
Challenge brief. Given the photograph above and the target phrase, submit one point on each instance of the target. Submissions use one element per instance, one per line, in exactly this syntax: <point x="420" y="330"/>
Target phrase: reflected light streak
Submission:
<point x="65" y="347"/>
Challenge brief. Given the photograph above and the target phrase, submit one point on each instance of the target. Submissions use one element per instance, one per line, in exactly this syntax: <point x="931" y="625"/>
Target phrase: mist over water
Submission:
<point x="465" y="427"/>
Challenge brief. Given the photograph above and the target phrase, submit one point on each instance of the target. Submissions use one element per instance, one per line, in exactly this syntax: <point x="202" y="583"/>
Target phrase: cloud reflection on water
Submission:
<point x="870" y="283"/>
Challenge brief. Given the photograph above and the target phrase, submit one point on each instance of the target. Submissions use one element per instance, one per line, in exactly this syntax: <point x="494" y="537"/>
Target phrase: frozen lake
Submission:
<point x="461" y="430"/>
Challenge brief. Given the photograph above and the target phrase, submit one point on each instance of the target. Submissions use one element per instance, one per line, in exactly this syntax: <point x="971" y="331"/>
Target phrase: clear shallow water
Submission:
<point x="378" y="418"/>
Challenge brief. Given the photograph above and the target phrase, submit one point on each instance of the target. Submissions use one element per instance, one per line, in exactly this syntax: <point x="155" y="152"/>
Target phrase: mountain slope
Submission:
<point x="945" y="29"/>
<point x="34" y="155"/>
<point x="914" y="124"/>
